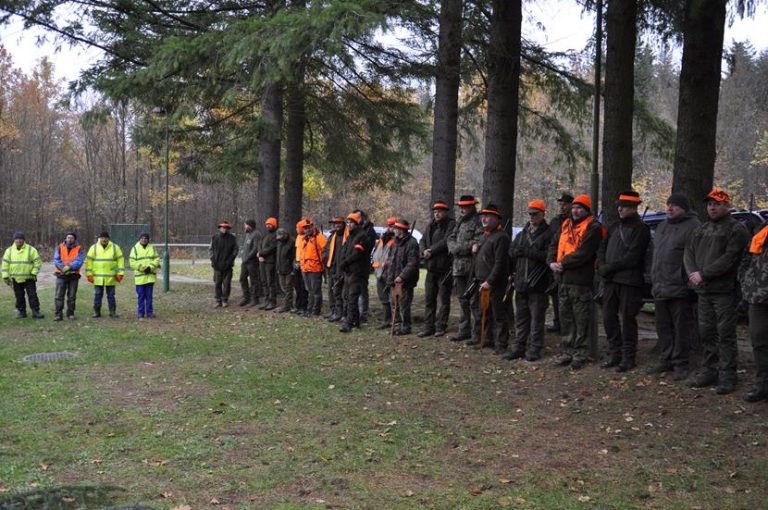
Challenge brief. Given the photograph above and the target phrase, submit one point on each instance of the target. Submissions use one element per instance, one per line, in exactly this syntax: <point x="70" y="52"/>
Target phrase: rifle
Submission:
<point x="509" y="289"/>
<point x="445" y="278"/>
<point x="397" y="294"/>
<point x="485" y="302"/>
<point x="471" y="290"/>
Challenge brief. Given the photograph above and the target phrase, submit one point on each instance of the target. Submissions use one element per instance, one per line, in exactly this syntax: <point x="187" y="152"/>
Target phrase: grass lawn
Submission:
<point x="240" y="409"/>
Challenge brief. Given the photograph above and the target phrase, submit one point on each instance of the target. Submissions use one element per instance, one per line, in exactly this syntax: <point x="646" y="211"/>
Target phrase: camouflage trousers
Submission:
<point x="717" y="329"/>
<point x="575" y="314"/>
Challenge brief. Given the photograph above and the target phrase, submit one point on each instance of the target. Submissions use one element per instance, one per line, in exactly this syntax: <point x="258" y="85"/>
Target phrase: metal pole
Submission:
<point x="595" y="177"/>
<point x="166" y="253"/>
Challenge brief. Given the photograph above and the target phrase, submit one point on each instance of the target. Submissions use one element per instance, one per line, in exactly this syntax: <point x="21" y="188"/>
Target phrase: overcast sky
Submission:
<point x="566" y="28"/>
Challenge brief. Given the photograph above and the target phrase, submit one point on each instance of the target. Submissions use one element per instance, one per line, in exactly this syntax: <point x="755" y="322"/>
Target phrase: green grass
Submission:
<point x="254" y="410"/>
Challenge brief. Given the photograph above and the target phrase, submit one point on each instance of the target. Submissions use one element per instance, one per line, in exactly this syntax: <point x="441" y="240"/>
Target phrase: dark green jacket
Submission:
<point x="285" y="255"/>
<point x="492" y="260"/>
<point x="579" y="266"/>
<point x="715" y="250"/>
<point x="436" y="240"/>
<point x="528" y="258"/>
<point x="404" y="262"/>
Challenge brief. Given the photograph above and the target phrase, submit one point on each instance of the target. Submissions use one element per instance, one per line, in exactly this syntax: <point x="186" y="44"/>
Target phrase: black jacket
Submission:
<point x="404" y="262"/>
<point x="528" y="259"/>
<point x="621" y="258"/>
<point x="436" y="240"/>
<point x="492" y="259"/>
<point x="579" y="266"/>
<point x="285" y="255"/>
<point x="335" y="240"/>
<point x="223" y="251"/>
<point x="356" y="253"/>
<point x="268" y="248"/>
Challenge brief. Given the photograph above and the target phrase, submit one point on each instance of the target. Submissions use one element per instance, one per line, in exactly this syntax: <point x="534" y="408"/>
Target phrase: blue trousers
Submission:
<point x="98" y="295"/>
<point x="144" y="295"/>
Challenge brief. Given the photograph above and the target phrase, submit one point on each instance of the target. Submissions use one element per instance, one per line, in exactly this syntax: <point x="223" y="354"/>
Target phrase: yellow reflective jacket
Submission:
<point x="142" y="259"/>
<point x="21" y="264"/>
<point x="104" y="263"/>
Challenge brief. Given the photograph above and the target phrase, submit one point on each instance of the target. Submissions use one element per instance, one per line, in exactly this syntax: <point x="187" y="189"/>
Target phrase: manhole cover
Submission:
<point x="48" y="356"/>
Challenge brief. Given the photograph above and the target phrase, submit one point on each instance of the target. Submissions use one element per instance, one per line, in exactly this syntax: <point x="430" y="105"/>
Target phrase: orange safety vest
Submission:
<point x="379" y="257"/>
<point x="756" y="247"/>
<point x="571" y="236"/>
<point x="68" y="257"/>
<point x="332" y="249"/>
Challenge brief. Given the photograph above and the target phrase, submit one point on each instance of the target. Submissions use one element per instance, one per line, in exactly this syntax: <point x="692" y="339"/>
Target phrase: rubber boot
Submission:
<point x="113" y="313"/>
<point x="96" y="312"/>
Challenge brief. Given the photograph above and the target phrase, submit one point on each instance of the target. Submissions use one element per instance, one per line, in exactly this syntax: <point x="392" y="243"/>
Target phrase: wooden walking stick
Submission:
<point x="397" y="294"/>
<point x="485" y="303"/>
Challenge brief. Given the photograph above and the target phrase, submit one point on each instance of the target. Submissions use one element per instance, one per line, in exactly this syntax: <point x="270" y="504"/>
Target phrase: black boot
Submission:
<point x="96" y="312"/>
<point x="113" y="312"/>
<point x="37" y="315"/>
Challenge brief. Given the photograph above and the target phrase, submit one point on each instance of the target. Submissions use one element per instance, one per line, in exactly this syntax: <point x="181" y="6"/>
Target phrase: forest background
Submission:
<point x="359" y="82"/>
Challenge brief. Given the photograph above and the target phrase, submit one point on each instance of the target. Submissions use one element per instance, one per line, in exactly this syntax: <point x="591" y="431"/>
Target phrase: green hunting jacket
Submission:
<point x="715" y="250"/>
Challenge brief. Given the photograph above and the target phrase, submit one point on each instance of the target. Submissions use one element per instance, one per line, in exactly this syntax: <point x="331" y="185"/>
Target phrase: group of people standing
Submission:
<point x="104" y="268"/>
<point x="693" y="269"/>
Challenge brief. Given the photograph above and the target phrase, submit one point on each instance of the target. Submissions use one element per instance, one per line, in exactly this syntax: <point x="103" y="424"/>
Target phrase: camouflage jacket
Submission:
<point x="753" y="275"/>
<point x="467" y="231"/>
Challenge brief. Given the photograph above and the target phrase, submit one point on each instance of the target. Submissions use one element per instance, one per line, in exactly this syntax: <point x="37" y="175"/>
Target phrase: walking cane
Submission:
<point x="485" y="302"/>
<point x="397" y="293"/>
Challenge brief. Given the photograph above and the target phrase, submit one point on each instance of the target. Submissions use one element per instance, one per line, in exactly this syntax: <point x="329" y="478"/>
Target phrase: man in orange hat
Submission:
<point x="711" y="259"/>
<point x="223" y="252"/>
<point x="434" y="250"/>
<point x="267" y="258"/>
<point x="355" y="266"/>
<point x="463" y="241"/>
<point x="571" y="258"/>
<point x="301" y="291"/>
<point x="403" y="270"/>
<point x="250" y="283"/>
<point x="491" y="268"/>
<point x="379" y="260"/>
<point x="311" y="246"/>
<point x="331" y="259"/>
<point x="621" y="264"/>
<point x="532" y="277"/>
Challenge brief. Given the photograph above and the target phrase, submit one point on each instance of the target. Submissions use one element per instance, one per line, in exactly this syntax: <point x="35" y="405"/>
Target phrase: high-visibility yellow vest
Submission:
<point x="104" y="263"/>
<point x="21" y="264"/>
<point x="143" y="258"/>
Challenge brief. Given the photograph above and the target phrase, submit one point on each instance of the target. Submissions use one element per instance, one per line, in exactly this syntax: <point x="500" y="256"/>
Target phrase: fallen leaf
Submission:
<point x="215" y="501"/>
<point x="182" y="507"/>
<point x="166" y="495"/>
<point x="584" y="499"/>
<point x="45" y="465"/>
<point x="504" y="481"/>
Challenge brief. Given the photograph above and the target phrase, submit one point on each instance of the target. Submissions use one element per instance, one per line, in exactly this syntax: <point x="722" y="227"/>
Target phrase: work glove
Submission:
<point x="34" y="277"/>
<point x="66" y="269"/>
<point x="148" y="270"/>
<point x="119" y="278"/>
<point x="7" y="281"/>
<point x="90" y="278"/>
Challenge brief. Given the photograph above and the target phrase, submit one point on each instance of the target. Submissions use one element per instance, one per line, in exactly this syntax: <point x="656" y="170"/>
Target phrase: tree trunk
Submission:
<point x="621" y="24"/>
<point x="703" y="29"/>
<point x="447" y="80"/>
<point x="269" y="152"/>
<point x="503" y="106"/>
<point x="293" y="180"/>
